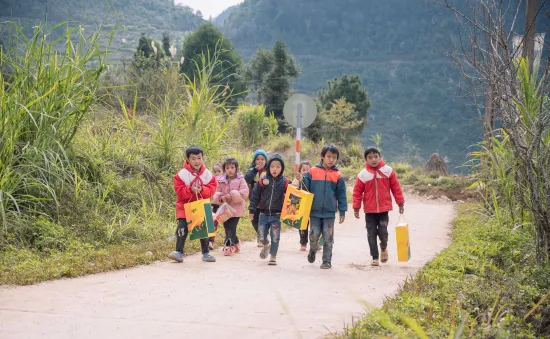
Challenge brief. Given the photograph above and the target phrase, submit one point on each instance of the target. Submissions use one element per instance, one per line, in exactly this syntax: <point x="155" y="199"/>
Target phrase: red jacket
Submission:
<point x="187" y="178"/>
<point x="373" y="193"/>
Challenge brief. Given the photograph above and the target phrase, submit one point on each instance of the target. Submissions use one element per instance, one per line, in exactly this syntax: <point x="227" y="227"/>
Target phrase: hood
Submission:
<point x="380" y="165"/>
<point x="190" y="169"/>
<point x="223" y="178"/>
<point x="276" y="157"/>
<point x="320" y="165"/>
<point x="259" y="152"/>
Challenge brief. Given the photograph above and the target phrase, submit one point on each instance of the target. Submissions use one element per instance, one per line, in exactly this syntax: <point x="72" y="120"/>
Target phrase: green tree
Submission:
<point x="350" y="89"/>
<point x="262" y="62"/>
<point x="166" y="44"/>
<point x="149" y="53"/>
<point x="275" y="85"/>
<point x="208" y="40"/>
<point x="340" y="122"/>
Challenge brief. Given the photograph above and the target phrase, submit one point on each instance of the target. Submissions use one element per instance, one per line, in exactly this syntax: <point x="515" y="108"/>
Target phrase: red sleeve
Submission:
<point x="209" y="189"/>
<point x="358" y="191"/>
<point x="396" y="189"/>
<point x="183" y="191"/>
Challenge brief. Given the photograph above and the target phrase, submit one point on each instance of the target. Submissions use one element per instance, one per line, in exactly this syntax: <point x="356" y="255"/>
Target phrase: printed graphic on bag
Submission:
<point x="200" y="221"/>
<point x="296" y="208"/>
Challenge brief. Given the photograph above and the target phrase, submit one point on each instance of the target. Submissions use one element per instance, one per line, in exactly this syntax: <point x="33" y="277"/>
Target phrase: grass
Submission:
<point x="30" y="266"/>
<point x="485" y="284"/>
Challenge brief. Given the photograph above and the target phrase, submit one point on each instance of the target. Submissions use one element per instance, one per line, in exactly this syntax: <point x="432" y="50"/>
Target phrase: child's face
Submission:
<point x="230" y="170"/>
<point x="373" y="159"/>
<point x="275" y="168"/>
<point x="305" y="169"/>
<point x="196" y="161"/>
<point x="260" y="161"/>
<point x="218" y="172"/>
<point x="329" y="160"/>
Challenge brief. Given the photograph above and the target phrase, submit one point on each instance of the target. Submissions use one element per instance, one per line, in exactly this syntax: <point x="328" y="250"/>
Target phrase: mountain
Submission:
<point x="398" y="47"/>
<point x="220" y="19"/>
<point x="135" y="16"/>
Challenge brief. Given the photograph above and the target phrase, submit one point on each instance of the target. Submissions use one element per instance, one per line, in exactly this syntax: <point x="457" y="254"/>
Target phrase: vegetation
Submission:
<point x="485" y="285"/>
<point x="208" y="40"/>
<point x="86" y="185"/>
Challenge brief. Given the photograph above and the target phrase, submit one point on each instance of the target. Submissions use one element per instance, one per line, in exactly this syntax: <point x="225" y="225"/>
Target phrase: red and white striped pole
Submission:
<point x="298" y="135"/>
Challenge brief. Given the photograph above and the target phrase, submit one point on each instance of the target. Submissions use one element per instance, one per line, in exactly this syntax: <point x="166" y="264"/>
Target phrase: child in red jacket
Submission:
<point x="193" y="182"/>
<point x="372" y="189"/>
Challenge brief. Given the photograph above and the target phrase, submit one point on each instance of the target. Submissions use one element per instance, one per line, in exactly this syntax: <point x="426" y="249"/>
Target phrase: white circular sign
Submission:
<point x="308" y="108"/>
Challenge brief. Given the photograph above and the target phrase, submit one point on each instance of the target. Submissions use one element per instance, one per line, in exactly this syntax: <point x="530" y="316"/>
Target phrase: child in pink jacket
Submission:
<point x="232" y="189"/>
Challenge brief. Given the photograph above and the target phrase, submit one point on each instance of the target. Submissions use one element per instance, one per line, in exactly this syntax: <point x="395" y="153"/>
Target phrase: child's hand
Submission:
<point x="401" y="209"/>
<point x="356" y="213"/>
<point x="298" y="176"/>
<point x="251" y="217"/>
<point x="342" y="218"/>
<point x="222" y="199"/>
<point x="228" y="198"/>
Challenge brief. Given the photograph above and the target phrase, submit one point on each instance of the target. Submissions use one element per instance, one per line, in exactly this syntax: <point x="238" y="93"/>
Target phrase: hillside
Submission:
<point x="398" y="47"/>
<point x="220" y="19"/>
<point x="134" y="16"/>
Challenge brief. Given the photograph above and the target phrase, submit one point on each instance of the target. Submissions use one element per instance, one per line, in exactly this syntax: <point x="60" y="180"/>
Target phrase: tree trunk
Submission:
<point x="530" y="31"/>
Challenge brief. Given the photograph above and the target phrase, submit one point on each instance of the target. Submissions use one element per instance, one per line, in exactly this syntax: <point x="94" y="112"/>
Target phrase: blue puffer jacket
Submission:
<point x="329" y="189"/>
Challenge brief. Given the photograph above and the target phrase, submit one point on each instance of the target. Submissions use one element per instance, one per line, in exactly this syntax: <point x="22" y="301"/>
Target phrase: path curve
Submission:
<point x="236" y="297"/>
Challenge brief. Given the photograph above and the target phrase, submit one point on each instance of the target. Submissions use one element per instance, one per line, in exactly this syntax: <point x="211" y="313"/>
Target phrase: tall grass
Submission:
<point x="46" y="90"/>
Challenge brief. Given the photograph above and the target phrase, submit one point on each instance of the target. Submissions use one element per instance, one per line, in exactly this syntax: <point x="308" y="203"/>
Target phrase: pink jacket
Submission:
<point x="237" y="188"/>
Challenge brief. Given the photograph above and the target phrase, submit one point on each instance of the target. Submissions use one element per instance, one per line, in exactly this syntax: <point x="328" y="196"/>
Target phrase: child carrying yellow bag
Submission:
<point x="403" y="240"/>
<point x="296" y="208"/>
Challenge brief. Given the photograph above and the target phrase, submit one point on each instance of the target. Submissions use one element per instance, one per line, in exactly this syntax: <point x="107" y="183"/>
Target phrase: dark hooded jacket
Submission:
<point x="268" y="197"/>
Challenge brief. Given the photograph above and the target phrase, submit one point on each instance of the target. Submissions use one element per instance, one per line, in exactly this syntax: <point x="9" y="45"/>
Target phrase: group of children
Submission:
<point x="265" y="185"/>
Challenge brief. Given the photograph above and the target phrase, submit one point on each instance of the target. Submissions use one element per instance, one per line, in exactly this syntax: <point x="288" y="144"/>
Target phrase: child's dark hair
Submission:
<point x="302" y="165"/>
<point x="372" y="150"/>
<point x="193" y="150"/>
<point x="331" y="149"/>
<point x="230" y="161"/>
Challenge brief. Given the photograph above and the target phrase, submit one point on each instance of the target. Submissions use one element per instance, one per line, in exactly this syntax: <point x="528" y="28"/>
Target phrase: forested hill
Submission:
<point x="160" y="14"/>
<point x="399" y="49"/>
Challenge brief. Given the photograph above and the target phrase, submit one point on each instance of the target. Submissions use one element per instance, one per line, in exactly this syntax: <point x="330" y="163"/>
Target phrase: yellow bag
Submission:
<point x="200" y="221"/>
<point x="403" y="240"/>
<point x="296" y="208"/>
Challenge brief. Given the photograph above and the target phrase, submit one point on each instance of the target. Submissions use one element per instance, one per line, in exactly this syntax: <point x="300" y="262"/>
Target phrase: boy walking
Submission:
<point x="193" y="182"/>
<point x="327" y="184"/>
<point x="267" y="201"/>
<point x="372" y="189"/>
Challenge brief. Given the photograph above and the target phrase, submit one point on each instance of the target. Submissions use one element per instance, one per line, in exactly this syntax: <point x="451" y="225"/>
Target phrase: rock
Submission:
<point x="459" y="202"/>
<point x="429" y="185"/>
<point x="470" y="276"/>
<point x="149" y="253"/>
<point x="431" y="197"/>
<point x="445" y="198"/>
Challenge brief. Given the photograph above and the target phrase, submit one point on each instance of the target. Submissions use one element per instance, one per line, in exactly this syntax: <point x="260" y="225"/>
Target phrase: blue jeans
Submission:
<point x="324" y="226"/>
<point x="270" y="223"/>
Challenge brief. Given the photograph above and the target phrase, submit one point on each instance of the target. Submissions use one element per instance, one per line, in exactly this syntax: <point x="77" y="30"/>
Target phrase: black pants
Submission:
<point x="304" y="235"/>
<point x="377" y="226"/>
<point x="231" y="231"/>
<point x="255" y="221"/>
<point x="181" y="237"/>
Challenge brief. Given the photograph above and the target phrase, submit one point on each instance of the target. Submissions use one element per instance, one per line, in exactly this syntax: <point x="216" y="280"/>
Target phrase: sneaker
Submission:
<point x="238" y="247"/>
<point x="384" y="256"/>
<point x="272" y="261"/>
<point x="208" y="258"/>
<point x="260" y="243"/>
<point x="228" y="250"/>
<point x="265" y="251"/>
<point x="311" y="256"/>
<point x="303" y="248"/>
<point x="325" y="265"/>
<point x="176" y="256"/>
<point x="375" y="262"/>
<point x="211" y="246"/>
